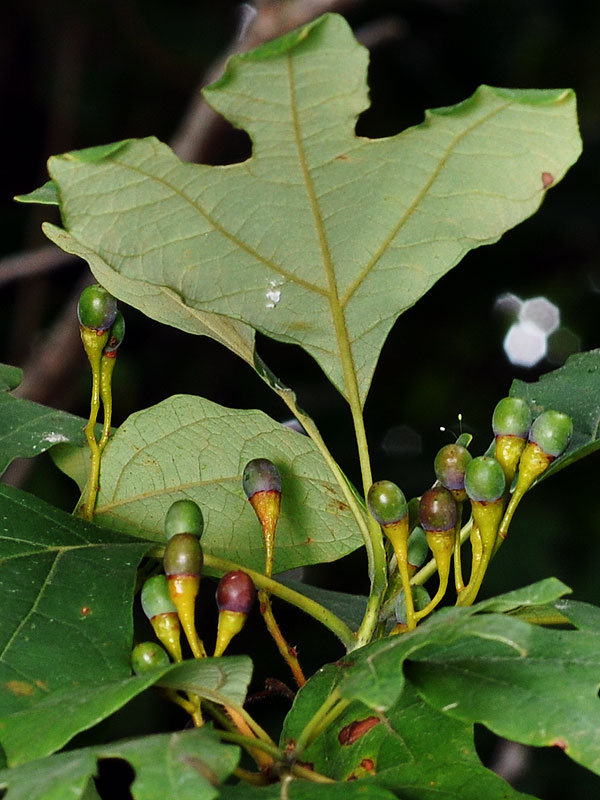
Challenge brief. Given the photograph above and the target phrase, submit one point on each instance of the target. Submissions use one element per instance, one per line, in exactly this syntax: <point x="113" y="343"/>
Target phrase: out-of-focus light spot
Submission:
<point x="525" y="344"/>
<point x="508" y="304"/>
<point x="542" y="313"/>
<point x="561" y="344"/>
<point x="594" y="279"/>
<point x="401" y="441"/>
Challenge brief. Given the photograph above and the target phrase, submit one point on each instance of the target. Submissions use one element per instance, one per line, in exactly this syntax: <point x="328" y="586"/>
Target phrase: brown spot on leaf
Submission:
<point x="342" y="158"/>
<point x="560" y="743"/>
<point x="85" y="610"/>
<point x="352" y="732"/>
<point x="41" y="685"/>
<point x="21" y="688"/>
<point x="202" y="769"/>
<point x="547" y="179"/>
<point x="366" y="767"/>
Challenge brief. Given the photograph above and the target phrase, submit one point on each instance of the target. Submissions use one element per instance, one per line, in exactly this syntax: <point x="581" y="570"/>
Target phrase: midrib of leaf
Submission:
<point x="415" y="203"/>
<point x="372" y="534"/>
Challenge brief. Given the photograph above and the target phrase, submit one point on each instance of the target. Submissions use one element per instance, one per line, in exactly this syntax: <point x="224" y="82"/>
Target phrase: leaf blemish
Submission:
<point x="547" y="179"/>
<point x="560" y="743"/>
<point x="21" y="688"/>
<point x="352" y="732"/>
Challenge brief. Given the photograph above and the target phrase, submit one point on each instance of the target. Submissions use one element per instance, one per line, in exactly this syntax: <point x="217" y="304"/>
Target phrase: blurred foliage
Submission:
<point x="77" y="74"/>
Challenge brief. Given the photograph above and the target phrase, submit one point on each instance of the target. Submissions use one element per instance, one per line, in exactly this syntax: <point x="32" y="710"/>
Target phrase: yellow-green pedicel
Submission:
<point x="261" y="482"/>
<point x="162" y="613"/>
<point x="235" y="597"/>
<point x="438" y="516"/>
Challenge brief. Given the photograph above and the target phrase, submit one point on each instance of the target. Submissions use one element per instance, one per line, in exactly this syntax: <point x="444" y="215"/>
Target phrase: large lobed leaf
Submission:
<point x="412" y="750"/>
<point x="534" y="685"/>
<point x="189" y="447"/>
<point x="321" y="238"/>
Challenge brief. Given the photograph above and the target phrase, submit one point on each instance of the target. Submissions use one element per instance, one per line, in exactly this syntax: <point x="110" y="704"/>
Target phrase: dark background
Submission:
<point x="76" y="74"/>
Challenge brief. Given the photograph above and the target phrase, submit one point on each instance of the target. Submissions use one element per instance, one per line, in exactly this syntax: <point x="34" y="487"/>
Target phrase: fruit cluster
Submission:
<point x="493" y="485"/>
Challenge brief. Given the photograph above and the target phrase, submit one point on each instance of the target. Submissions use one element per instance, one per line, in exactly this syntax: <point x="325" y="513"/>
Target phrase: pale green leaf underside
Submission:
<point x="321" y="238"/>
<point x="189" y="447"/>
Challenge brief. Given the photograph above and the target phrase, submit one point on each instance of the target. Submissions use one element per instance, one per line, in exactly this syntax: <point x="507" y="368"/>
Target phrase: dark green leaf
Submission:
<point x="573" y="389"/>
<point x="187" y="766"/>
<point x="307" y="790"/>
<point x="321" y="238"/>
<point x="412" y="750"/>
<point x="28" y="429"/>
<point x="350" y="608"/>
<point x="67" y="589"/>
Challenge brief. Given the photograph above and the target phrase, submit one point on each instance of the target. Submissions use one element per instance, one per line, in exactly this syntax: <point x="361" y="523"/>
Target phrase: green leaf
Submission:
<point x="46" y="195"/>
<point x="534" y="685"/>
<point x="44" y="727"/>
<point x="307" y="790"/>
<point x="412" y="750"/>
<point x="321" y="238"/>
<point x="67" y="589"/>
<point x="188" y="765"/>
<point x="189" y="447"/>
<point x="350" y="608"/>
<point x="573" y="389"/>
<point x="28" y="429"/>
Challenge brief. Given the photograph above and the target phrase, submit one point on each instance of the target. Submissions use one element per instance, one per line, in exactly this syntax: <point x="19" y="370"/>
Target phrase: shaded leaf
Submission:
<point x="573" y="389"/>
<point x="44" y="727"/>
<point x="28" y="429"/>
<point x="412" y="750"/>
<point x="189" y="447"/>
<point x="188" y="765"/>
<point x="350" y="608"/>
<point x="321" y="238"/>
<point x="306" y="790"/>
<point x="66" y="590"/>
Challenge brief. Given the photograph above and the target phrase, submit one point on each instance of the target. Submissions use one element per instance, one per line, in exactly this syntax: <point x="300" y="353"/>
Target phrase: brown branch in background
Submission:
<point x="32" y="263"/>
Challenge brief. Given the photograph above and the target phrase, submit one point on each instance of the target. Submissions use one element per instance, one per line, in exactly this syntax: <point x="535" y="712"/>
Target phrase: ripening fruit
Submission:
<point x="183" y="561"/>
<point x="184" y="516"/>
<point x="450" y="465"/>
<point x="262" y="485"/>
<point x="147" y="656"/>
<point x="511" y="422"/>
<point x="162" y="613"/>
<point x="437" y="510"/>
<point x="116" y="336"/>
<point x="484" y="480"/>
<point x="96" y="308"/>
<point x="235" y="597"/>
<point x="387" y="502"/>
<point x="552" y="432"/>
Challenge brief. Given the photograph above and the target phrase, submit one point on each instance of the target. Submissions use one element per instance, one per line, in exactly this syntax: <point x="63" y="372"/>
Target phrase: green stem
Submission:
<point x="333" y="706"/>
<point x="250" y="744"/>
<point x="107" y="366"/>
<point x="423" y="575"/>
<point x="327" y="618"/>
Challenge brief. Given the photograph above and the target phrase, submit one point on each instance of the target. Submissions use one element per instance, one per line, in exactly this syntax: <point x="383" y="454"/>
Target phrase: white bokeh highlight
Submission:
<point x="526" y="342"/>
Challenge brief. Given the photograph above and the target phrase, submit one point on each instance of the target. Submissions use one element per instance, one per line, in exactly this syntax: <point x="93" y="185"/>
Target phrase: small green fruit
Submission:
<point x="147" y="656"/>
<point x="184" y="516"/>
<point x="155" y="597"/>
<point x="511" y="417"/>
<point x="96" y="308"/>
<point x="485" y="480"/>
<point x="387" y="502"/>
<point x="552" y="432"/>
<point x="418" y="549"/>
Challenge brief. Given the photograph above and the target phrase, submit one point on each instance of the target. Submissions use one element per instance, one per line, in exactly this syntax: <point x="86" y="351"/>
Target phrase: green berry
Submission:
<point x="512" y="417"/>
<point x="260" y="475"/>
<point x="485" y="480"/>
<point x="387" y="502"/>
<point x="117" y="334"/>
<point x="156" y="598"/>
<point x="184" y="516"/>
<point x="147" y="656"/>
<point x="183" y="555"/>
<point x="96" y="308"/>
<point x="552" y="431"/>
<point x="235" y="592"/>
<point x="450" y="466"/>
<point x="437" y="510"/>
